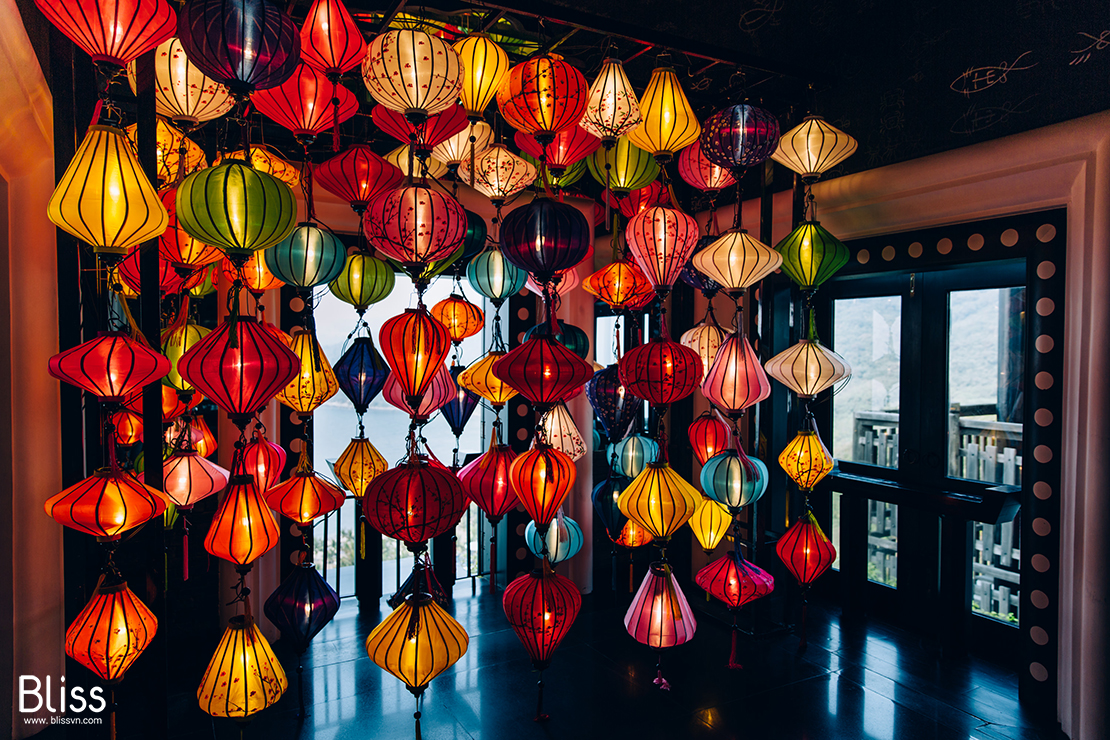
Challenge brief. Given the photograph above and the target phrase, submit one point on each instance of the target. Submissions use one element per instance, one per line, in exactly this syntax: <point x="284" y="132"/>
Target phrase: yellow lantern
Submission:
<point x="417" y="642"/>
<point x="175" y="343"/>
<point x="806" y="460"/>
<point x="359" y="464"/>
<point x="104" y="198"/>
<point x="710" y="523"/>
<point x="485" y="66"/>
<point x="265" y="159"/>
<point x="659" y="500"/>
<point x="244" y="676"/>
<point x="612" y="109"/>
<point x="813" y="147"/>
<point x="315" y="383"/>
<point x="479" y="378"/>
<point x="400" y="159"/>
<point x="669" y="121"/>
<point x="168" y="142"/>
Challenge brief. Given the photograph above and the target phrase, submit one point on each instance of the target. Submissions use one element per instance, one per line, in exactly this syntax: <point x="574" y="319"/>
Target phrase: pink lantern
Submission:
<point x="735" y="380"/>
<point x="438" y="395"/>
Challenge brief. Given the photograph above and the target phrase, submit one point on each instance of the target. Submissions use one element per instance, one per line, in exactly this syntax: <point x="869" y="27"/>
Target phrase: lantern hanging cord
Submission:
<point x="242" y="592"/>
<point x="738" y="216"/>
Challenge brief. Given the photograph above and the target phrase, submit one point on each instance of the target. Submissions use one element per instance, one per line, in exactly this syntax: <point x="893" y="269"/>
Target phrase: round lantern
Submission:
<point x="364" y="280"/>
<point x="104" y="198"/>
<point x="669" y="121"/>
<point x="357" y="175"/>
<point x="247" y="45"/>
<point x="415" y="346"/>
<point x="661" y="372"/>
<point x="710" y="524"/>
<point x="616" y="408"/>
<point x="545" y="237"/>
<point x="494" y="276"/>
<point x="112" y="32"/>
<point x="264" y="462"/>
<point x="112" y="631"/>
<point x="424" y="135"/>
<point x="569" y="147"/>
<point x="563" y="539"/>
<point x="733" y="479"/>
<point x="542" y="477"/>
<point x="359" y="464"/>
<point x="735" y="380"/>
<point x="485" y="480"/>
<point x="414" y="503"/>
<point x="708" y="437"/>
<point x="188" y="478"/>
<point x="620" y="285"/>
<point x="544" y="371"/>
<point x="252" y="271"/>
<point x="412" y="72"/>
<point x="331" y="41"/>
<point x="702" y="173"/>
<point x="806" y="459"/>
<point x="479" y="378"/>
<point x="461" y="317"/>
<point x="244" y="676"/>
<point x="813" y="147"/>
<point x="461" y="407"/>
<point x="413" y="167"/>
<point x="612" y="109"/>
<point x="558" y="429"/>
<point x="242" y="529"/>
<point x="629" y="456"/>
<point x="542" y="96"/>
<point x="706" y="339"/>
<point x="808" y="367"/>
<point x="304" y="497"/>
<point x="497" y="173"/>
<point x="417" y="642"/>
<point x="302" y="605"/>
<point x="659" y="616"/>
<point x="485" y="66"/>
<point x="659" y="500"/>
<point x="736" y="261"/>
<point x="182" y="92"/>
<point x="805" y="550"/>
<point x="604" y="497"/>
<point x="438" y="394"/>
<point x="811" y="255"/>
<point x="569" y="335"/>
<point x="457" y="149"/>
<point x="541" y="608"/>
<point x="176" y="246"/>
<point x="624" y="167"/>
<point x="361" y="372"/>
<point x="306" y="104"/>
<point x="739" y="136"/>
<point x="239" y="366"/>
<point x="236" y="208"/>
<point x="415" y="224"/>
<point x="308" y="257"/>
<point x="106" y="504"/>
<point x="109" y="366"/>
<point x="661" y="241"/>
<point x="735" y="581"/>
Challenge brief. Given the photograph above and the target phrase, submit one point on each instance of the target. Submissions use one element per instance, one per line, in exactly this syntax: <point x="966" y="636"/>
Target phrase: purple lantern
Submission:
<point x="302" y="605"/>
<point x="361" y="373"/>
<point x="461" y="407"/>
<point x="545" y="237"/>
<point x="247" y="45"/>
<point x="692" y="277"/>
<point x="615" y="406"/>
<point x="739" y="136"/>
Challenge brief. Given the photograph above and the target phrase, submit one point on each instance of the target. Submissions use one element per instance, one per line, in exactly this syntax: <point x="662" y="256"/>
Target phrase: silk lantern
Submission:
<point x="438" y="394"/>
<point x="706" y="339"/>
<point x="308" y="257"/>
<point x="331" y="41"/>
<point x="568" y="147"/>
<point x="813" y="147"/>
<point x="659" y="500"/>
<point x="631" y="455"/>
<point x="497" y="173"/>
<point x="561" y="282"/>
<point x="361" y="373"/>
<point x="128" y="427"/>
<point x="170" y="279"/>
<point x="694" y="277"/>
<point x="307" y="103"/>
<point x="479" y="378"/>
<point x="733" y="479"/>
<point x="659" y="616"/>
<point x="485" y="66"/>
<point x="541" y="478"/>
<point x="545" y="237"/>
<point x="710" y="524"/>
<point x="415" y="224"/>
<point x="173" y="405"/>
<point x="620" y="285"/>
<point x="414" y="502"/>
<point x="736" y="261"/>
<point x="568" y="335"/>
<point x="461" y="317"/>
<point x="247" y="45"/>
<point x="702" y="173"/>
<point x="616" y="408"/>
<point x="302" y="605"/>
<point x="176" y="246"/>
<point x="612" y="109"/>
<point x="624" y="167"/>
<point x="242" y="529"/>
<point x="357" y="176"/>
<point x="541" y="608"/>
<point x="708" y="436"/>
<point x="811" y="255"/>
<point x="485" y="480"/>
<point x="562" y="541"/>
<point x="669" y="121"/>
<point x="558" y="429"/>
<point x="650" y="195"/>
<point x="661" y="241"/>
<point x="188" y="478"/>
<point x="661" y="371"/>
<point x="305" y="496"/>
<point x="805" y="550"/>
<point x="806" y="459"/>
<point x="106" y="504"/>
<point x="415" y="346"/>
<point x="109" y="366"/>
<point x="174" y="152"/>
<point x="264" y="159"/>
<point x="567" y="177"/>
<point x="252" y="271"/>
<point x="733" y="580"/>
<point x="412" y="72"/>
<point x="364" y="280"/>
<point x="808" y="367"/>
<point x="417" y="642"/>
<point x="425" y="135"/>
<point x="495" y="277"/>
<point x="359" y="464"/>
<point x="544" y="371"/>
<point x="111" y="631"/>
<point x="632" y="535"/>
<point x="542" y="96"/>
<point x="112" y="32"/>
<point x="735" y="380"/>
<point x="244" y="676"/>
<point x="739" y="136"/>
<point x="413" y="167"/>
<point x="454" y="150"/>
<point x="182" y="92"/>
<point x="263" y="461"/>
<point x="461" y="407"/>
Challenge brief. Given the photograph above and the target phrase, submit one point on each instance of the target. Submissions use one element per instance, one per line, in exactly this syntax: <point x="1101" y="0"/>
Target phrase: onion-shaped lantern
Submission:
<point x="112" y="32"/>
<point x="252" y="270"/>
<point x="244" y="676"/>
<point x="247" y="45"/>
<point x="236" y="208"/>
<point x="188" y="478"/>
<point x="733" y="479"/>
<point x="563" y="540"/>
<point x="479" y="378"/>
<point x="544" y="371"/>
<point x="710" y="524"/>
<point x="542" y="96"/>
<point x="542" y="477"/>
<point x="659" y="500"/>
<point x="104" y="198"/>
<point x="364" y="280"/>
<point x="305" y="496"/>
<point x="412" y="72"/>
<point x="736" y="261"/>
<point x="624" y="167"/>
<point x="661" y="371"/>
<point x="456" y="149"/>
<point x="302" y="605"/>
<point x="357" y="175"/>
<point x="175" y="246"/>
<point x="569" y="147"/>
<point x="425" y="135"/>
<point x="264" y="462"/>
<point x="306" y="104"/>
<point x="661" y="241"/>
<point x="808" y="367"/>
<point x="811" y="255"/>
<point x="650" y="195"/>
<point x="239" y="366"/>
<point x="109" y="366"/>
<point x="702" y="173"/>
<point x="669" y="121"/>
<point x="359" y="464"/>
<point x="497" y="173"/>
<point x="739" y="136"/>
<point x="659" y="616"/>
<point x="735" y="380"/>
<point x="414" y="502"/>
<point x="805" y="550"/>
<point x="706" y="339"/>
<point x="541" y="608"/>
<point x="170" y="279"/>
<point x="461" y="407"/>
<point x="735" y="581"/>
<point x="461" y="317"/>
<point x="485" y="66"/>
<point x="106" y="504"/>
<point x="708" y="437"/>
<point x="545" y="237"/>
<point x="331" y="41"/>
<point x="361" y="372"/>
<point x="242" y="529"/>
<point x="620" y="285"/>
<point x="485" y="480"/>
<point x="415" y="346"/>
<point x="605" y="496"/>
<point x="182" y="92"/>
<point x="629" y="456"/>
<point x="112" y="631"/>
<point x="494" y="276"/>
<point x="308" y="257"/>
<point x="806" y="459"/>
<point x="415" y="224"/>
<point x="568" y="335"/>
<point x="438" y="394"/>
<point x="616" y="408"/>
<point x="417" y="642"/>
<point x="612" y="109"/>
<point x="558" y="429"/>
<point x="813" y="147"/>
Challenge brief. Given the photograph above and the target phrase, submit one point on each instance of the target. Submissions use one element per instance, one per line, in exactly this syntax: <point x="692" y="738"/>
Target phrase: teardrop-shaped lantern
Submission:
<point x="620" y="285"/>
<point x="735" y="380"/>
<point x="425" y="135"/>
<point x="813" y="147"/>
<point x="304" y="497"/>
<point x="495" y="277"/>
<point x="498" y="173"/>
<point x="485" y="480"/>
<point x="612" y="109"/>
<point x="739" y="136"/>
<point x="485" y="67"/>
<point x="359" y="464"/>
<point x="733" y="479"/>
<point x="242" y="529"/>
<point x="631" y="455"/>
<point x="708" y="436"/>
<point x="461" y="317"/>
<point x="331" y="41"/>
<point x="188" y="478"/>
<point x="456" y="149"/>
<point x="542" y="477"/>
<point x="414" y="502"/>
<point x="357" y="175"/>
<point x="808" y="367"/>
<point x="569" y="335"/>
<point x="661" y="241"/>
<point x="412" y="72"/>
<point x="544" y="371"/>
<point x="616" y="408"/>
<point x="109" y="366"/>
<point x="805" y="550"/>
<point x="252" y="270"/>
<point x="624" y="167"/>
<point x="175" y="246"/>
<point x="542" y="96"/>
<point x="104" y="198"/>
<point x="545" y="237"/>
<point x="111" y="631"/>
<point x="182" y="92"/>
<point x="417" y="642"/>
<point x="461" y="407"/>
<point x="244" y="676"/>
<point x="736" y="261"/>
<point x="559" y="430"/>
<point x="302" y="605"/>
<point x="661" y="371"/>
<point x="415" y="346"/>
<point x="112" y="32"/>
<point x="735" y="581"/>
<point x="247" y="45"/>
<point x="479" y="378"/>
<point x="415" y="224"/>
<point x="659" y="616"/>
<point x="669" y="120"/>
<point x="106" y="504"/>
<point x="308" y="257"/>
<point x="806" y="459"/>
<point x="438" y="394"/>
<point x="706" y="339"/>
<point x="811" y="255"/>
<point x="569" y="147"/>
<point x="659" y="500"/>
<point x="306" y="104"/>
<point x="563" y="539"/>
<point x="710" y="524"/>
<point x="541" y="608"/>
<point x="264" y="462"/>
<point x="700" y="172"/>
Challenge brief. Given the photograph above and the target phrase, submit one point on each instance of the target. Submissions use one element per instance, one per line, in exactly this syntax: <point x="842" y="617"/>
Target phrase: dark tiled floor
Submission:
<point x="858" y="681"/>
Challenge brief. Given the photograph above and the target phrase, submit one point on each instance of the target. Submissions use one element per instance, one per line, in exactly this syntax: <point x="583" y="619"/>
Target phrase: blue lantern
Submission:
<point x="308" y="257"/>
<point x="460" y="408"/>
<point x="495" y="277"/>
<point x="692" y="277"/>
<point x="361" y="373"/>
<point x="605" y="497"/>
<point x="632" y="454"/>
<point x="569" y="335"/>
<point x="564" y="539"/>
<point x="615" y="406"/>
<point x="734" y="479"/>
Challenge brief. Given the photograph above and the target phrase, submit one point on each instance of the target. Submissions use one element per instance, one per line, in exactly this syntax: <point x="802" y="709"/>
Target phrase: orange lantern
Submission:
<point x="806" y="459"/>
<point x="112" y="631"/>
<point x="176" y="246"/>
<point x="542" y="96"/>
<point x="479" y="378"/>
<point x="305" y="496"/>
<point x="106" y="504"/>
<point x="620" y="285"/>
<point x="188" y="478"/>
<point x="542" y="478"/>
<point x="415" y="345"/>
<point x="128" y="427"/>
<point x="461" y="317"/>
<point x="359" y="464"/>
<point x="243" y="528"/>
<point x="633" y="535"/>
<point x="256" y="277"/>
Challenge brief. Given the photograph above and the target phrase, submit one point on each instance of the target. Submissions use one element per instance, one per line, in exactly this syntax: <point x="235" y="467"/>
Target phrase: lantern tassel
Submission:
<point x="334" y="116"/>
<point x="540" y="716"/>
<point x="659" y="680"/>
<point x="493" y="559"/>
<point x="733" y="663"/>
<point x="185" y="556"/>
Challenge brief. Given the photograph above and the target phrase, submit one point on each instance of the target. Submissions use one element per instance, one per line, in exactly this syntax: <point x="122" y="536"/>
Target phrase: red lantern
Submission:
<point x="331" y="42"/>
<point x="541" y="608"/>
<point x="358" y="175"/>
<point x="570" y="146"/>
<point x="544" y="371"/>
<point x="304" y="497"/>
<point x="661" y="371"/>
<point x="660" y="617"/>
<point x="188" y="478"/>
<point x="633" y="535"/>
<point x="438" y="395"/>
<point x="542" y="96"/>
<point x="485" y="480"/>
<point x="172" y="405"/>
<point x="106" y="504"/>
<point x="425" y="136"/>
<point x="415" y="225"/>
<point x="736" y="380"/>
<point x="651" y="195"/>
<point x="177" y="247"/>
<point x="708" y="436"/>
<point x="620" y="285"/>
<point x="304" y="103"/>
<point x="239" y="366"/>
<point x="542" y="477"/>
<point x="661" y="241"/>
<point x="171" y="279"/>
<point x="805" y="550"/>
<point x="264" y="461"/>
<point x="128" y="427"/>
<point x="112" y="631"/>
<point x="735" y="581"/>
<point x="243" y="529"/>
<point x="415" y="346"/>
<point x="414" y="502"/>
<point x="113" y="31"/>
<point x="700" y="173"/>
<point x="109" y="366"/>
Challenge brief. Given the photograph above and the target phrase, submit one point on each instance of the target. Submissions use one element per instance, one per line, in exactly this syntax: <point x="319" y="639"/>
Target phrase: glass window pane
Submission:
<point x="995" y="565"/>
<point x="882" y="543"/>
<point x="834" y="535"/>
<point x="867" y="332"/>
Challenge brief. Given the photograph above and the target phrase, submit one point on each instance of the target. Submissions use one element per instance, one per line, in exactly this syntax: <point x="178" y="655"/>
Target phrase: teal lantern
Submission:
<point x="308" y="257"/>
<point x="811" y="255"/>
<point x="236" y="208"/>
<point x="569" y="335"/>
<point x="363" y="280"/>
<point x="632" y="454"/>
<point x="733" y="479"/>
<point x="564" y="539"/>
<point x="494" y="276"/>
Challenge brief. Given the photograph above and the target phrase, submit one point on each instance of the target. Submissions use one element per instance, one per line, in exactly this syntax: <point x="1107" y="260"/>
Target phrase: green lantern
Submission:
<point x="236" y="208"/>
<point x="570" y="175"/>
<point x="811" y="255"/>
<point x="364" y="280"/>
<point x="308" y="257"/>
<point x="494" y="276"/>
<point x="176" y="343"/>
<point x="630" y="167"/>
